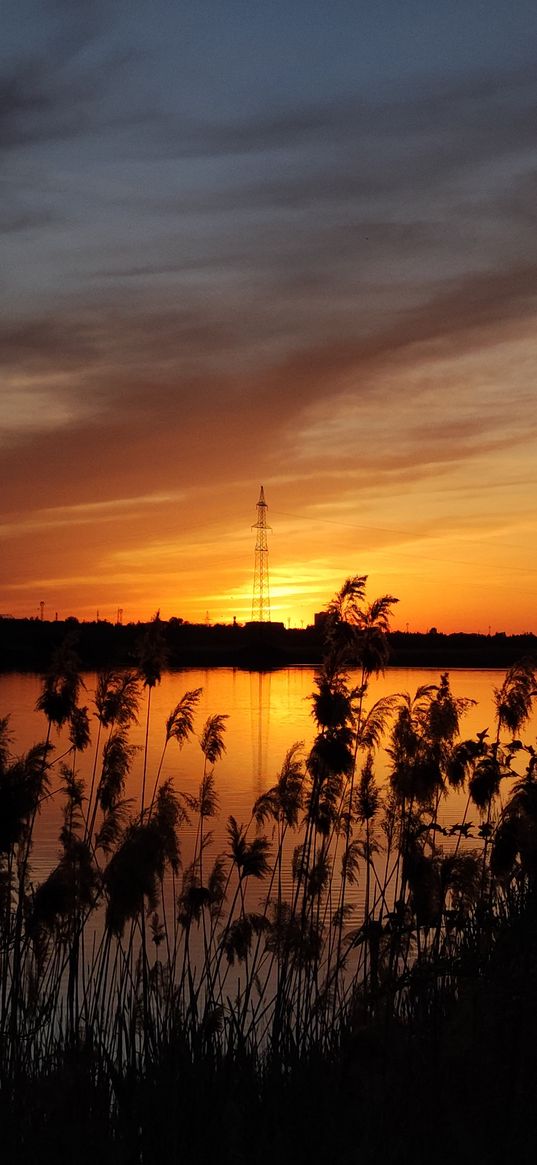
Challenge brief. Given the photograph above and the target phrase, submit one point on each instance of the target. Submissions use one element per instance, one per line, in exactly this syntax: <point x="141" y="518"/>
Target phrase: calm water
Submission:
<point x="267" y="713"/>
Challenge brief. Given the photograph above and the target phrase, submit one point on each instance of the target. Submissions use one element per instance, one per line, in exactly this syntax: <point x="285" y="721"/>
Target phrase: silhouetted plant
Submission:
<point x="152" y="653"/>
<point x="484" y="785"/>
<point x="374" y="915"/>
<point x="515" y="697"/>
<point x="22" y="784"/>
<point x="179" y="727"/>
<point x="358" y="631"/>
<point x="240" y="934"/>
<point x="118" y="755"/>
<point x="73" y="886"/>
<point x="133" y="875"/>
<point x="212" y="738"/>
<point x="515" y="839"/>
<point x="61" y="686"/>
<point x="79" y="729"/>
<point x="113" y="825"/>
<point x="284" y="801"/>
<point x="250" y="858"/>
<point x="117" y="697"/>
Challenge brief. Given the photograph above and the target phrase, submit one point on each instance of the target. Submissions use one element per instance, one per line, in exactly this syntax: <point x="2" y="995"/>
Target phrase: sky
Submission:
<point x="283" y="243"/>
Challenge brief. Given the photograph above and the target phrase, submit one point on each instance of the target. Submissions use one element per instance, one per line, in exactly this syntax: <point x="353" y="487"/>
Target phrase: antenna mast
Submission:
<point x="261" y="593"/>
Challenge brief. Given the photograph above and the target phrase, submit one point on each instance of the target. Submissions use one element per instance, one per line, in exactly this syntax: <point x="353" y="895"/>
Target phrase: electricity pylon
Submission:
<point x="261" y="592"/>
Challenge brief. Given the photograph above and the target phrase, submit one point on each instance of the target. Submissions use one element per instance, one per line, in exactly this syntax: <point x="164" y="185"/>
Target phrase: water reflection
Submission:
<point x="267" y="712"/>
<point x="235" y="951"/>
<point x="260" y="694"/>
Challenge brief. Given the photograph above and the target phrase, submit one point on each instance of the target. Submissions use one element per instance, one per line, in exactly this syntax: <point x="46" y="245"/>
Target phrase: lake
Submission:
<point x="238" y="945"/>
<point x="267" y="712"/>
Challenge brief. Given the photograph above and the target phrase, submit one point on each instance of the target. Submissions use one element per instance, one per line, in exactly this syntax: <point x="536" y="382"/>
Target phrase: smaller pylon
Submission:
<point x="261" y="591"/>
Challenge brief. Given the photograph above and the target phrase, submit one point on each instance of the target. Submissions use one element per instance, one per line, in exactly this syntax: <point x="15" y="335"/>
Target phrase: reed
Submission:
<point x="128" y="960"/>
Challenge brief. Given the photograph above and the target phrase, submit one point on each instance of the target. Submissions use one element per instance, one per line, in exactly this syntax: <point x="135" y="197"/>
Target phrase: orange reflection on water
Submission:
<point x="267" y="713"/>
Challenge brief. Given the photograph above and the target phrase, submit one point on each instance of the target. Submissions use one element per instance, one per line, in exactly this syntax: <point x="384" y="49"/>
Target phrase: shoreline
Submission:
<point x="28" y="645"/>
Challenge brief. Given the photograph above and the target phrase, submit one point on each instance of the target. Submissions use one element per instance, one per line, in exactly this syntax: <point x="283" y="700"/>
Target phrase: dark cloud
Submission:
<point x="26" y="219"/>
<point x="353" y="147"/>
<point x="121" y="336"/>
<point x="63" y="84"/>
<point x="42" y="101"/>
<point x="518" y="204"/>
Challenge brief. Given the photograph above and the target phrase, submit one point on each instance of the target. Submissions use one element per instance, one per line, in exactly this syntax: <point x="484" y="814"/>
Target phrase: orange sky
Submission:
<point x="229" y="264"/>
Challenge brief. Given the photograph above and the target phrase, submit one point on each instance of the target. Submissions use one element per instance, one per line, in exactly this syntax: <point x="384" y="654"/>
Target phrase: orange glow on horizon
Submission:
<point x="475" y="603"/>
<point x="451" y="532"/>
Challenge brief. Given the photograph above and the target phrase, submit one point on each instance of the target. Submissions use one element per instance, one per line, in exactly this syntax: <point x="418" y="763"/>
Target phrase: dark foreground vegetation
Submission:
<point x="240" y="1006"/>
<point x="28" y="644"/>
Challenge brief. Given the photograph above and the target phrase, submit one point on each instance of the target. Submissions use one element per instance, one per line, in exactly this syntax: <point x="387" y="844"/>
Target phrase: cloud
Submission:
<point x="122" y="329"/>
<point x="88" y="513"/>
<point x="16" y="219"/>
<point x="27" y="410"/>
<point x="492" y="112"/>
<point x="60" y="84"/>
<point x="335" y="293"/>
<point x="151" y="393"/>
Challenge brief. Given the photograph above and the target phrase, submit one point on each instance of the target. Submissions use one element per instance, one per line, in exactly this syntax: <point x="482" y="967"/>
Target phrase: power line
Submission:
<point x="411" y="534"/>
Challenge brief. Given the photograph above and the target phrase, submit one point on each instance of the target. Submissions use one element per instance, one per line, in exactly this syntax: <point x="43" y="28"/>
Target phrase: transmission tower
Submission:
<point x="261" y="593"/>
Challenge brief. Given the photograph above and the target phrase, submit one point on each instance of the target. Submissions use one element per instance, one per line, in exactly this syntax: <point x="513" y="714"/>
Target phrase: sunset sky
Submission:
<point x="290" y="243"/>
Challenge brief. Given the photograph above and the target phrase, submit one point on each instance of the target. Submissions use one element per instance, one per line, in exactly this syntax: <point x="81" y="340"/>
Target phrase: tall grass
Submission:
<point x="126" y="953"/>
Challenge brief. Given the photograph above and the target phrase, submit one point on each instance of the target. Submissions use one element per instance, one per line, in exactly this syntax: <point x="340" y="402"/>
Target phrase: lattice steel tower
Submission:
<point x="261" y="592"/>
